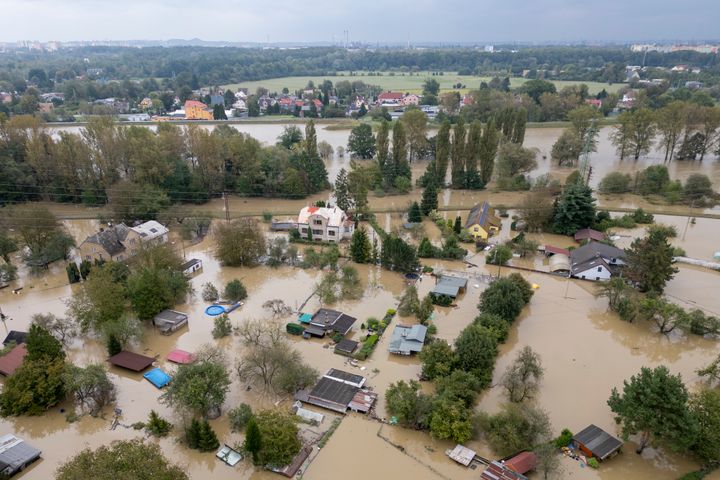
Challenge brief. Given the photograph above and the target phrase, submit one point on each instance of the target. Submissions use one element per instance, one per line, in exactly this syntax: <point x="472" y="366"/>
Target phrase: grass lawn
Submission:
<point x="407" y="82"/>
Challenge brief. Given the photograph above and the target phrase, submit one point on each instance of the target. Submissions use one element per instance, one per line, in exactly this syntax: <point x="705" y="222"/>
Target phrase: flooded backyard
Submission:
<point x="586" y="350"/>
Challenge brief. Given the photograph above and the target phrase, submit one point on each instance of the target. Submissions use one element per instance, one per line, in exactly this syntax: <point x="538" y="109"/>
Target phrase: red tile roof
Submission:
<point x="313" y="209"/>
<point x="391" y="96"/>
<point x="523" y="462"/>
<point x="12" y="360"/>
<point x="551" y="249"/>
<point x="194" y="103"/>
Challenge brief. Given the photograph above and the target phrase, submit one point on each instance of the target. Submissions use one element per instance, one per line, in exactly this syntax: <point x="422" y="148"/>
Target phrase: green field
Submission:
<point x="405" y="82"/>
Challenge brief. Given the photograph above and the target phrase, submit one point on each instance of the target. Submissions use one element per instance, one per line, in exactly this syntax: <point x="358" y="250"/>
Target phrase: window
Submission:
<point x="599" y="269"/>
<point x="317" y="232"/>
<point x="331" y="233"/>
<point x="597" y="278"/>
<point x="477" y="229"/>
<point x="317" y="222"/>
<point x="304" y="230"/>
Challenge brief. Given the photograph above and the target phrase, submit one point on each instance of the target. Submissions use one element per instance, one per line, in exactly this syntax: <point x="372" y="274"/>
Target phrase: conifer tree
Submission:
<point x="472" y="153"/>
<point x="429" y="200"/>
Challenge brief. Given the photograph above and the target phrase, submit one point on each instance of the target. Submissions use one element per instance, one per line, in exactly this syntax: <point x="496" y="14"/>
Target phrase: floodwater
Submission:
<point x="585" y="350"/>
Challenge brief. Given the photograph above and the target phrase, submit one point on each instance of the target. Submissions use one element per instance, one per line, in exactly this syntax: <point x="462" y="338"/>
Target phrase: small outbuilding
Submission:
<point x="15" y="337"/>
<point x="157" y="377"/>
<point x="550" y="251"/>
<point x="191" y="266"/>
<point x="522" y="463"/>
<point x="339" y="391"/>
<point x="560" y="263"/>
<point x="169" y="321"/>
<point x="407" y="339"/>
<point x="346" y="347"/>
<point x="332" y="320"/>
<point x="462" y="455"/>
<point x="12" y="360"/>
<point x="290" y="470"/>
<point x="449" y="286"/>
<point x="588" y="234"/>
<point x="181" y="357"/>
<point x="593" y="441"/>
<point x="229" y="455"/>
<point x="131" y="361"/>
<point x="15" y="454"/>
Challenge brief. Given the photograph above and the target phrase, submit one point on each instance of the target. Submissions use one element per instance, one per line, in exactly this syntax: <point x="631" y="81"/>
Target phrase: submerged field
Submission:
<point x="405" y="82"/>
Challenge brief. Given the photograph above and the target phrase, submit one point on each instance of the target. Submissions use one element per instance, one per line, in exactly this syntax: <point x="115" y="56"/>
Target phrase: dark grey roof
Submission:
<point x="343" y="324"/>
<point x="111" y="238"/>
<point x="346" y="345"/>
<point x="190" y="263"/>
<point x="593" y="254"/>
<point x="342" y="375"/>
<point x="594" y="249"/>
<point x="334" y="391"/>
<point x="15" y="336"/>
<point x="315" y="330"/>
<point x="598" y="441"/>
<point x="333" y="320"/>
<point x="482" y="215"/>
<point x="588" y="265"/>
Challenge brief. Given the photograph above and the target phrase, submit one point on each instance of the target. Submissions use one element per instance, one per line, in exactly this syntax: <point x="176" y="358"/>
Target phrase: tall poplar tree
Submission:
<point x="488" y="150"/>
<point x="457" y="154"/>
<point x="472" y="152"/>
<point x="400" y="152"/>
<point x="442" y="152"/>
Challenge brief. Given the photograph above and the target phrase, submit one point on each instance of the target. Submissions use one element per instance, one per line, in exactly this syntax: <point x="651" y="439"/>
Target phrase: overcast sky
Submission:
<point x="367" y="21"/>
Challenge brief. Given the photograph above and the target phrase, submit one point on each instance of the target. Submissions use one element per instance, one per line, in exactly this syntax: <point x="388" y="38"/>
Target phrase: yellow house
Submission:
<point x="482" y="222"/>
<point x="195" y="110"/>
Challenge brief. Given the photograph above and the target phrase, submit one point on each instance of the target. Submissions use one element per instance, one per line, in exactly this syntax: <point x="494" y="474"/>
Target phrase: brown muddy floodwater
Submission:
<point x="585" y="351"/>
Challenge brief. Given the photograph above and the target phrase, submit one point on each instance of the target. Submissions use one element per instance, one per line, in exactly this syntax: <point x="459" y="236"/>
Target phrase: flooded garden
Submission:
<point x="585" y="348"/>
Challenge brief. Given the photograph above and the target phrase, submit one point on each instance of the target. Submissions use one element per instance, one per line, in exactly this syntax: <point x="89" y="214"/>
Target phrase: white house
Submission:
<point x="596" y="261"/>
<point x="328" y="224"/>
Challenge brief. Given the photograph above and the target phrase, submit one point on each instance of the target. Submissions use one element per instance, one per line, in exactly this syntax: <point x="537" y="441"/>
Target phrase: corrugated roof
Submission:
<point x="346" y="346"/>
<point x="559" y="262"/>
<point x="600" y="443"/>
<point x="556" y="250"/>
<point x="190" y="263"/>
<point x="462" y="455"/>
<point x="334" y="391"/>
<point x="347" y="377"/>
<point x="498" y="471"/>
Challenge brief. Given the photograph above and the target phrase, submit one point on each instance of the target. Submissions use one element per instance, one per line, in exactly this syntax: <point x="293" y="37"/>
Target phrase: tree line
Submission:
<point x="107" y="162"/>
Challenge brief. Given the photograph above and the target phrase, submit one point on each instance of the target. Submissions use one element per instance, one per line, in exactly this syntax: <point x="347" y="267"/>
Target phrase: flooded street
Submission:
<point x="586" y="350"/>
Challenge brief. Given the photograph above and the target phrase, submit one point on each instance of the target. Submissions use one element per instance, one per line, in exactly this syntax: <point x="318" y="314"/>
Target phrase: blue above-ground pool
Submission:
<point x="214" y="310"/>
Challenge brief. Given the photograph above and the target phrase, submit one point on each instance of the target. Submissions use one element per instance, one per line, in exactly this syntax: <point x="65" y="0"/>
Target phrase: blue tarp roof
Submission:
<point x="305" y="317"/>
<point x="157" y="377"/>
